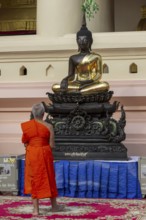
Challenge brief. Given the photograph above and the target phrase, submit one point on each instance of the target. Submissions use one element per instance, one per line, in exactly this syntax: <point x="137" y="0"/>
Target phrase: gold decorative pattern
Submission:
<point x="17" y="3"/>
<point x="17" y="16"/>
<point x="18" y="25"/>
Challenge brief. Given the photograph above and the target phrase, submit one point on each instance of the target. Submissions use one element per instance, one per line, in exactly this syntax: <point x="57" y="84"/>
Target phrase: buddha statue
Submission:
<point x="85" y="68"/>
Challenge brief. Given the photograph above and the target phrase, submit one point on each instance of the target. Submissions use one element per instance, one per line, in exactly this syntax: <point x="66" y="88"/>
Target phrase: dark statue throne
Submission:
<point x="84" y="127"/>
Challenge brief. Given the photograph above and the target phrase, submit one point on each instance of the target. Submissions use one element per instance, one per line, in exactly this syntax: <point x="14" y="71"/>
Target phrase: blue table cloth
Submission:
<point x="98" y="179"/>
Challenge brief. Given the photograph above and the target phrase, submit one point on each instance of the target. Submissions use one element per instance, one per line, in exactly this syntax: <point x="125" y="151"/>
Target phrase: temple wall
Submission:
<point x="16" y="107"/>
<point x="29" y="65"/>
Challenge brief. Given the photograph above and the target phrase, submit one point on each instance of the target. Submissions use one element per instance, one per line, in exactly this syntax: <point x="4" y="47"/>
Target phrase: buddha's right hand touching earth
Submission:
<point x="64" y="84"/>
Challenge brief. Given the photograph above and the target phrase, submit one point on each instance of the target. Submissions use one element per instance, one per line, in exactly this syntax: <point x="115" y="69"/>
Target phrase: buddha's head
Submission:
<point x="84" y="36"/>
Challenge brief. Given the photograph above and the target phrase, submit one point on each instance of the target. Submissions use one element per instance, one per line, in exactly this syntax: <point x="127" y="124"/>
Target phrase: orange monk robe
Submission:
<point x="39" y="179"/>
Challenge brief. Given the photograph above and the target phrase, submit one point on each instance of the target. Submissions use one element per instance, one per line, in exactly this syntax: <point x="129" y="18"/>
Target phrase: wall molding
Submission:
<point x="124" y="88"/>
<point x="109" y="40"/>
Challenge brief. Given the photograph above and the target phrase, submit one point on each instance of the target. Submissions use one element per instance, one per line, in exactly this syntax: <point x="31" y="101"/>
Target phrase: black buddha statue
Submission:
<point x="85" y="68"/>
<point x="81" y="112"/>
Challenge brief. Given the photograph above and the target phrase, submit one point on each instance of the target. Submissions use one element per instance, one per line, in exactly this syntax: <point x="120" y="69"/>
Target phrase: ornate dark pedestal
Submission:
<point x="84" y="127"/>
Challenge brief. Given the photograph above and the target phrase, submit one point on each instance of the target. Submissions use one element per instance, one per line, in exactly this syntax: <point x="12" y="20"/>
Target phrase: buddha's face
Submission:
<point x="83" y="43"/>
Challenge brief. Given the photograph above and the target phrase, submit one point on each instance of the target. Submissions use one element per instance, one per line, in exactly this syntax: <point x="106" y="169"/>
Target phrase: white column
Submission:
<point x="58" y="17"/>
<point x="103" y="21"/>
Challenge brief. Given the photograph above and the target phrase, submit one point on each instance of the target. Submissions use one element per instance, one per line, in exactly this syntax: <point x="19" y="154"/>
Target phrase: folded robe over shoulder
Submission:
<point x="39" y="180"/>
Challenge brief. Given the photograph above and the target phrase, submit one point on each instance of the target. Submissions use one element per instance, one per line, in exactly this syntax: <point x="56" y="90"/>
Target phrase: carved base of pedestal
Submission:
<point x="100" y="151"/>
<point x="84" y="127"/>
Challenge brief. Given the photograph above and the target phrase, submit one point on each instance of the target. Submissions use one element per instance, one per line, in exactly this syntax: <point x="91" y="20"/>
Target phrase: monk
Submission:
<point x="39" y="180"/>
